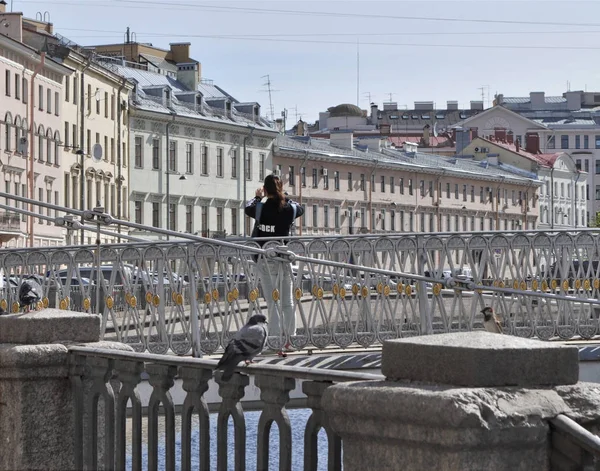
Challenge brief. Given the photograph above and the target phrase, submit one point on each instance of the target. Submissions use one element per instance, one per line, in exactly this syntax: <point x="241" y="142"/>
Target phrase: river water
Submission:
<point x="298" y="419"/>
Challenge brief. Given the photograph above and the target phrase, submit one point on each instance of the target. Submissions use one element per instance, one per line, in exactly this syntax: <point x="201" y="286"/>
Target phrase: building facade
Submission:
<point x="519" y="141"/>
<point x="32" y="97"/>
<point x="191" y="144"/>
<point x="569" y="123"/>
<point x="373" y="188"/>
<point x="562" y="194"/>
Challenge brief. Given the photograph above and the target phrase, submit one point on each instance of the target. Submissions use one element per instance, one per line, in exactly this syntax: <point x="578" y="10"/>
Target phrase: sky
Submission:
<point x="318" y="54"/>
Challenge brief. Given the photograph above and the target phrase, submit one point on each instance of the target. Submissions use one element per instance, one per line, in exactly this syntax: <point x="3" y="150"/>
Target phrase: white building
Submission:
<point x="187" y="147"/>
<point x="30" y="135"/>
<point x="570" y="123"/>
<point x="561" y="196"/>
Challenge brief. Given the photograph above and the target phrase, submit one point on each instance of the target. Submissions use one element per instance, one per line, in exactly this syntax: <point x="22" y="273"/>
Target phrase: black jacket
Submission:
<point x="274" y="222"/>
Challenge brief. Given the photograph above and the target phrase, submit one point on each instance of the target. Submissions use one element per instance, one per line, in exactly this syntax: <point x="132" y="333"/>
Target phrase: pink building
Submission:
<point x="31" y="124"/>
<point x="350" y="187"/>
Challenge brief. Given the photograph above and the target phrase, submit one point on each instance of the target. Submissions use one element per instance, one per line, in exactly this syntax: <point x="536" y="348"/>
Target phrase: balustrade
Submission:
<point x="185" y="296"/>
<point x="93" y="369"/>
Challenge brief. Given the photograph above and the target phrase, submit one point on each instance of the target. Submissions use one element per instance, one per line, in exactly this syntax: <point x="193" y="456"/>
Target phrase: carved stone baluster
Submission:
<point x="314" y="391"/>
<point x="162" y="378"/>
<point x="129" y="373"/>
<point x="98" y="372"/>
<point x="231" y="393"/>
<point x="195" y="383"/>
<point x="275" y="393"/>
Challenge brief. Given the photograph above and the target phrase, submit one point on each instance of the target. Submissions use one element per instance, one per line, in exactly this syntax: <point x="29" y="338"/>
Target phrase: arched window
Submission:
<point x="7" y="132"/>
<point x="17" y="132"/>
<point x="56" y="147"/>
<point x="49" y="146"/>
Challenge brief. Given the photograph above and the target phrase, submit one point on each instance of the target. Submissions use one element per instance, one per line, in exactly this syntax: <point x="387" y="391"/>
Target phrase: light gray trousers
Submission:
<point x="278" y="275"/>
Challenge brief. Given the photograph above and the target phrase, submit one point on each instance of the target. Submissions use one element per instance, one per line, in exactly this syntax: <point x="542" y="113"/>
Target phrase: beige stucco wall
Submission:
<point x="17" y="63"/>
<point x="101" y="99"/>
<point x="425" y="214"/>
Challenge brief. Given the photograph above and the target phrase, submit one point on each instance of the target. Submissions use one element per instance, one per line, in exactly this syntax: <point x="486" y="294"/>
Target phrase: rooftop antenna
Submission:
<point x="391" y="95"/>
<point x="369" y="96"/>
<point x="483" y="88"/>
<point x="295" y="108"/>
<point x="270" y="91"/>
<point x="358" y="72"/>
<point x="568" y="86"/>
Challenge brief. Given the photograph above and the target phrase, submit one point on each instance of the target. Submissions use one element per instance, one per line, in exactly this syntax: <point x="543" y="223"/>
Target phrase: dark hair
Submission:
<point x="274" y="188"/>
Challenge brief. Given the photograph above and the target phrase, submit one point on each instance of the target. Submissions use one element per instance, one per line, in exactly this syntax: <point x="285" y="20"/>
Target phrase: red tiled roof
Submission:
<point x="546" y="160"/>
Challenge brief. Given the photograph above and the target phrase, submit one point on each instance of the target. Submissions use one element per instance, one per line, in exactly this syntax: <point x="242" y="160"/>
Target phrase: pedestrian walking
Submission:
<point x="274" y="214"/>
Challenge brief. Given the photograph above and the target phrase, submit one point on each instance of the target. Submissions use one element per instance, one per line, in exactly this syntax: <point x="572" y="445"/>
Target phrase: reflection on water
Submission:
<point x="298" y="419"/>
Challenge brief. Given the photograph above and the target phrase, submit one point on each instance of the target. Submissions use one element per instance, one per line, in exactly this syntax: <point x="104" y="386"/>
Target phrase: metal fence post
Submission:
<point x="424" y="307"/>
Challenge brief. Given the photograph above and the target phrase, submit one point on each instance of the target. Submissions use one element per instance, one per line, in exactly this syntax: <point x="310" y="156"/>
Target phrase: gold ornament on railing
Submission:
<point x="148" y="297"/>
<point x="386" y="291"/>
<point x="110" y="302"/>
<point x="298" y="294"/>
<point x="133" y="301"/>
<point x="335" y="289"/>
<point x="15" y="307"/>
<point x="86" y="304"/>
<point x="207" y="298"/>
<point x="215" y="294"/>
<point x="45" y="302"/>
<point x="156" y="300"/>
<point x="275" y="295"/>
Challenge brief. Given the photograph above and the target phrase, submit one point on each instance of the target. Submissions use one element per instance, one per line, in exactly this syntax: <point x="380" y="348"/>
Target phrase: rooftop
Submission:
<point x="465" y="166"/>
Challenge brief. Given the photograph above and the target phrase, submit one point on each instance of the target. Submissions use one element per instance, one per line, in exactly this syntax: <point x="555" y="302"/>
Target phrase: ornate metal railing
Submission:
<point x="191" y="294"/>
<point x="573" y="446"/>
<point x="113" y="379"/>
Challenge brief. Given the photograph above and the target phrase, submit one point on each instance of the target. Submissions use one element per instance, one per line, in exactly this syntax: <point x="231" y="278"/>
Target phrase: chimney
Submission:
<point x="374" y="111"/>
<point x="452" y="105"/>
<point x="2" y="6"/>
<point x="500" y="134"/>
<point x="342" y="138"/>
<point x="426" y="136"/>
<point x="499" y="99"/>
<point x="477" y="105"/>
<point x="510" y="138"/>
<point x="518" y="145"/>
<point x="538" y="100"/>
<point x="187" y="73"/>
<point x="180" y="52"/>
<point x="573" y="100"/>
<point x="474" y="133"/>
<point x="532" y="143"/>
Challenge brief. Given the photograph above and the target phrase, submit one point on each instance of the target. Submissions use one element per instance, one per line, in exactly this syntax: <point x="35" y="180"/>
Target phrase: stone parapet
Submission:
<point x="36" y="399"/>
<point x="466" y="401"/>
<point x="480" y="359"/>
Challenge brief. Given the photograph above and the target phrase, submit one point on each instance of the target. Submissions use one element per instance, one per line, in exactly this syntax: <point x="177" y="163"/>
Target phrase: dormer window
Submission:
<point x="228" y="108"/>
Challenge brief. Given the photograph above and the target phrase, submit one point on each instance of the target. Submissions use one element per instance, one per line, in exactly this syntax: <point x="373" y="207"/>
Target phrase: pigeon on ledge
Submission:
<point x="248" y="342"/>
<point x="30" y="293"/>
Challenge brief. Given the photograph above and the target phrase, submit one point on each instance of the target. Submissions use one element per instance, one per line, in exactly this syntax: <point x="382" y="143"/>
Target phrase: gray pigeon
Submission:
<point x="248" y="342"/>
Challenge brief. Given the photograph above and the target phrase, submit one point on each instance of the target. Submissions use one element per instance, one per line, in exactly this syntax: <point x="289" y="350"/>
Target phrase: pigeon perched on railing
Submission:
<point x="30" y="293"/>
<point x="490" y="321"/>
<point x="248" y="342"/>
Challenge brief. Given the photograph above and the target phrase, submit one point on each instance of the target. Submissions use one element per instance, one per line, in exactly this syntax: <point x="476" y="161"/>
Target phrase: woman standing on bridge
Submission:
<point x="274" y="214"/>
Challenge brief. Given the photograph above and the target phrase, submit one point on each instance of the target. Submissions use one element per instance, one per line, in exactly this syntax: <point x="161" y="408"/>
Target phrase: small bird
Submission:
<point x="248" y="342"/>
<point x="490" y="321"/>
<point x="30" y="293"/>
